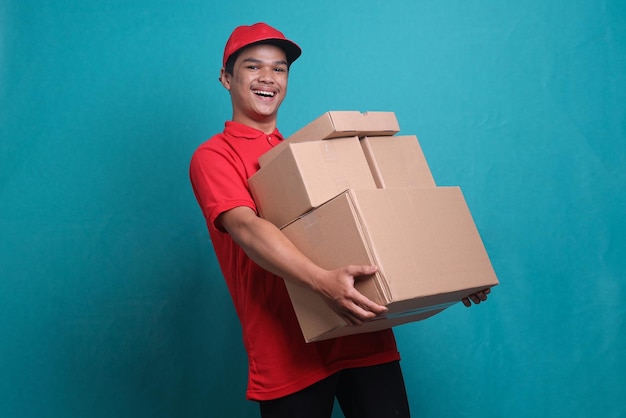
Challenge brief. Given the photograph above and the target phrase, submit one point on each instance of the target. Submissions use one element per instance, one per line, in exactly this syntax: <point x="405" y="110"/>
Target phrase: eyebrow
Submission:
<point x="258" y="61"/>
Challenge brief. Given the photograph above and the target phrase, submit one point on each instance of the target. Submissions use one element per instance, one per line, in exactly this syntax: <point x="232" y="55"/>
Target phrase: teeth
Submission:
<point x="264" y="93"/>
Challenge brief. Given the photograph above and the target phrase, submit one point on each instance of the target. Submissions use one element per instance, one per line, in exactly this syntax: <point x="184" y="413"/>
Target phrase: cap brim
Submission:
<point x="292" y="50"/>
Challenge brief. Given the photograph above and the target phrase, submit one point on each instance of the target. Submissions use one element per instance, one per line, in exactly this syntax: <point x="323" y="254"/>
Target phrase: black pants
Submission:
<point x="364" y="392"/>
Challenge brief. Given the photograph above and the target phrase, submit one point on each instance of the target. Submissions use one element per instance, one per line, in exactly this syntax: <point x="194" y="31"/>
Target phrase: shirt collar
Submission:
<point x="239" y="130"/>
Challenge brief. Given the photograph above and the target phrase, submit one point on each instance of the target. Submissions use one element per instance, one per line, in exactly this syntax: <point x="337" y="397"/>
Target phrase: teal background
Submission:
<point x="111" y="303"/>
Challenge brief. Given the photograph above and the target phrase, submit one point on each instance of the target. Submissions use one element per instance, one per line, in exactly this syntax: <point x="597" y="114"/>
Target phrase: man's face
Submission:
<point x="258" y="84"/>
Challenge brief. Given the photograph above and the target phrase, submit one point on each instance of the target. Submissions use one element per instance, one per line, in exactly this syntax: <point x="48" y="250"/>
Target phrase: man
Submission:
<point x="288" y="377"/>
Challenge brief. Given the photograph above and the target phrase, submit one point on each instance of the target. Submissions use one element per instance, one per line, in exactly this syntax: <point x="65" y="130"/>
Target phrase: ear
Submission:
<point x="225" y="79"/>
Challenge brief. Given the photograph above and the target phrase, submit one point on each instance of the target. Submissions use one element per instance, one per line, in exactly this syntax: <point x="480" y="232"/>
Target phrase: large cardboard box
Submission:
<point x="335" y="124"/>
<point x="424" y="241"/>
<point x="307" y="174"/>
<point x="397" y="162"/>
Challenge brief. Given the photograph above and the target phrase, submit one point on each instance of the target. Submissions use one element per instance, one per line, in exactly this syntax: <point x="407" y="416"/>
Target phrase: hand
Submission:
<point x="337" y="288"/>
<point x="476" y="298"/>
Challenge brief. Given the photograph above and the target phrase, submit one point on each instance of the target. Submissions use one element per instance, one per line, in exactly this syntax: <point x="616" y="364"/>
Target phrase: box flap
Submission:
<point x="397" y="162"/>
<point x="322" y="234"/>
<point x="315" y="233"/>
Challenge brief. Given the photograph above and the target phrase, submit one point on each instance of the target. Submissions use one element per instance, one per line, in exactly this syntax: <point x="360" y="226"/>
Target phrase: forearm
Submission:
<point x="268" y="247"/>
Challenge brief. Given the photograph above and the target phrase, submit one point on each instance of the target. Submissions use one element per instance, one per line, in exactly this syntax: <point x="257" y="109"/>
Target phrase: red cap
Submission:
<point x="260" y="33"/>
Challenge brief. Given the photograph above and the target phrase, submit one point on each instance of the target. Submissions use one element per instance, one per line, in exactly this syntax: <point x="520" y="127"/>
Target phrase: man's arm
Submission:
<point x="267" y="246"/>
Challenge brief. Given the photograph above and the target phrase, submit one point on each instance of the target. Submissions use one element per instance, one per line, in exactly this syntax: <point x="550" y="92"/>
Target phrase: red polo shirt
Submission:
<point x="280" y="362"/>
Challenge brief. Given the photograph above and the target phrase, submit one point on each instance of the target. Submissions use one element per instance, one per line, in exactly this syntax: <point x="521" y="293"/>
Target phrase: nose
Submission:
<point x="266" y="75"/>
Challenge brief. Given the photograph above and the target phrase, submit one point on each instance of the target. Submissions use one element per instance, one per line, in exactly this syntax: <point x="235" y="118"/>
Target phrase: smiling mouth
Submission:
<point x="263" y="93"/>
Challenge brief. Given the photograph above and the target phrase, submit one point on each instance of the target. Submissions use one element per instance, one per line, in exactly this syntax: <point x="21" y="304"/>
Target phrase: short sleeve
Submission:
<point x="219" y="180"/>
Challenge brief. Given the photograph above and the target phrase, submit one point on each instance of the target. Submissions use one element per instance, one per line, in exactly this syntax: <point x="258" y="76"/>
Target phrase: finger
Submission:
<point x="368" y="307"/>
<point x="352" y="313"/>
<point x="356" y="271"/>
<point x="362" y="314"/>
<point x="466" y="302"/>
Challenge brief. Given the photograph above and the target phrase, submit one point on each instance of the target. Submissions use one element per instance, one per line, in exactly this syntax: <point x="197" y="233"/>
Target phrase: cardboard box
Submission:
<point x="397" y="162"/>
<point x="307" y="174"/>
<point x="424" y="241"/>
<point x="335" y="124"/>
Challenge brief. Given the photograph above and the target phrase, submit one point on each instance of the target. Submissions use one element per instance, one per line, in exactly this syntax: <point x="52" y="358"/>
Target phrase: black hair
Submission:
<point x="230" y="63"/>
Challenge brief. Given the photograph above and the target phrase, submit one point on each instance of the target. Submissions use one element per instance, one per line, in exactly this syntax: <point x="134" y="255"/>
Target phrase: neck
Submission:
<point x="265" y="125"/>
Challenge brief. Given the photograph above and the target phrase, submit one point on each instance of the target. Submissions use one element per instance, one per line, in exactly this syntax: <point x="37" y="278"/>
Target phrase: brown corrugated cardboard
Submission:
<point x="307" y="174"/>
<point x="336" y="124"/>
<point x="424" y="241"/>
<point x="397" y="162"/>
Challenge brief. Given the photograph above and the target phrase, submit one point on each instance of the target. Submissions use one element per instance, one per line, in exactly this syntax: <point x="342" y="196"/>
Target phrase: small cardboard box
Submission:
<point x="397" y="162"/>
<point x="335" y="124"/>
<point x="307" y="174"/>
<point x="424" y="241"/>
